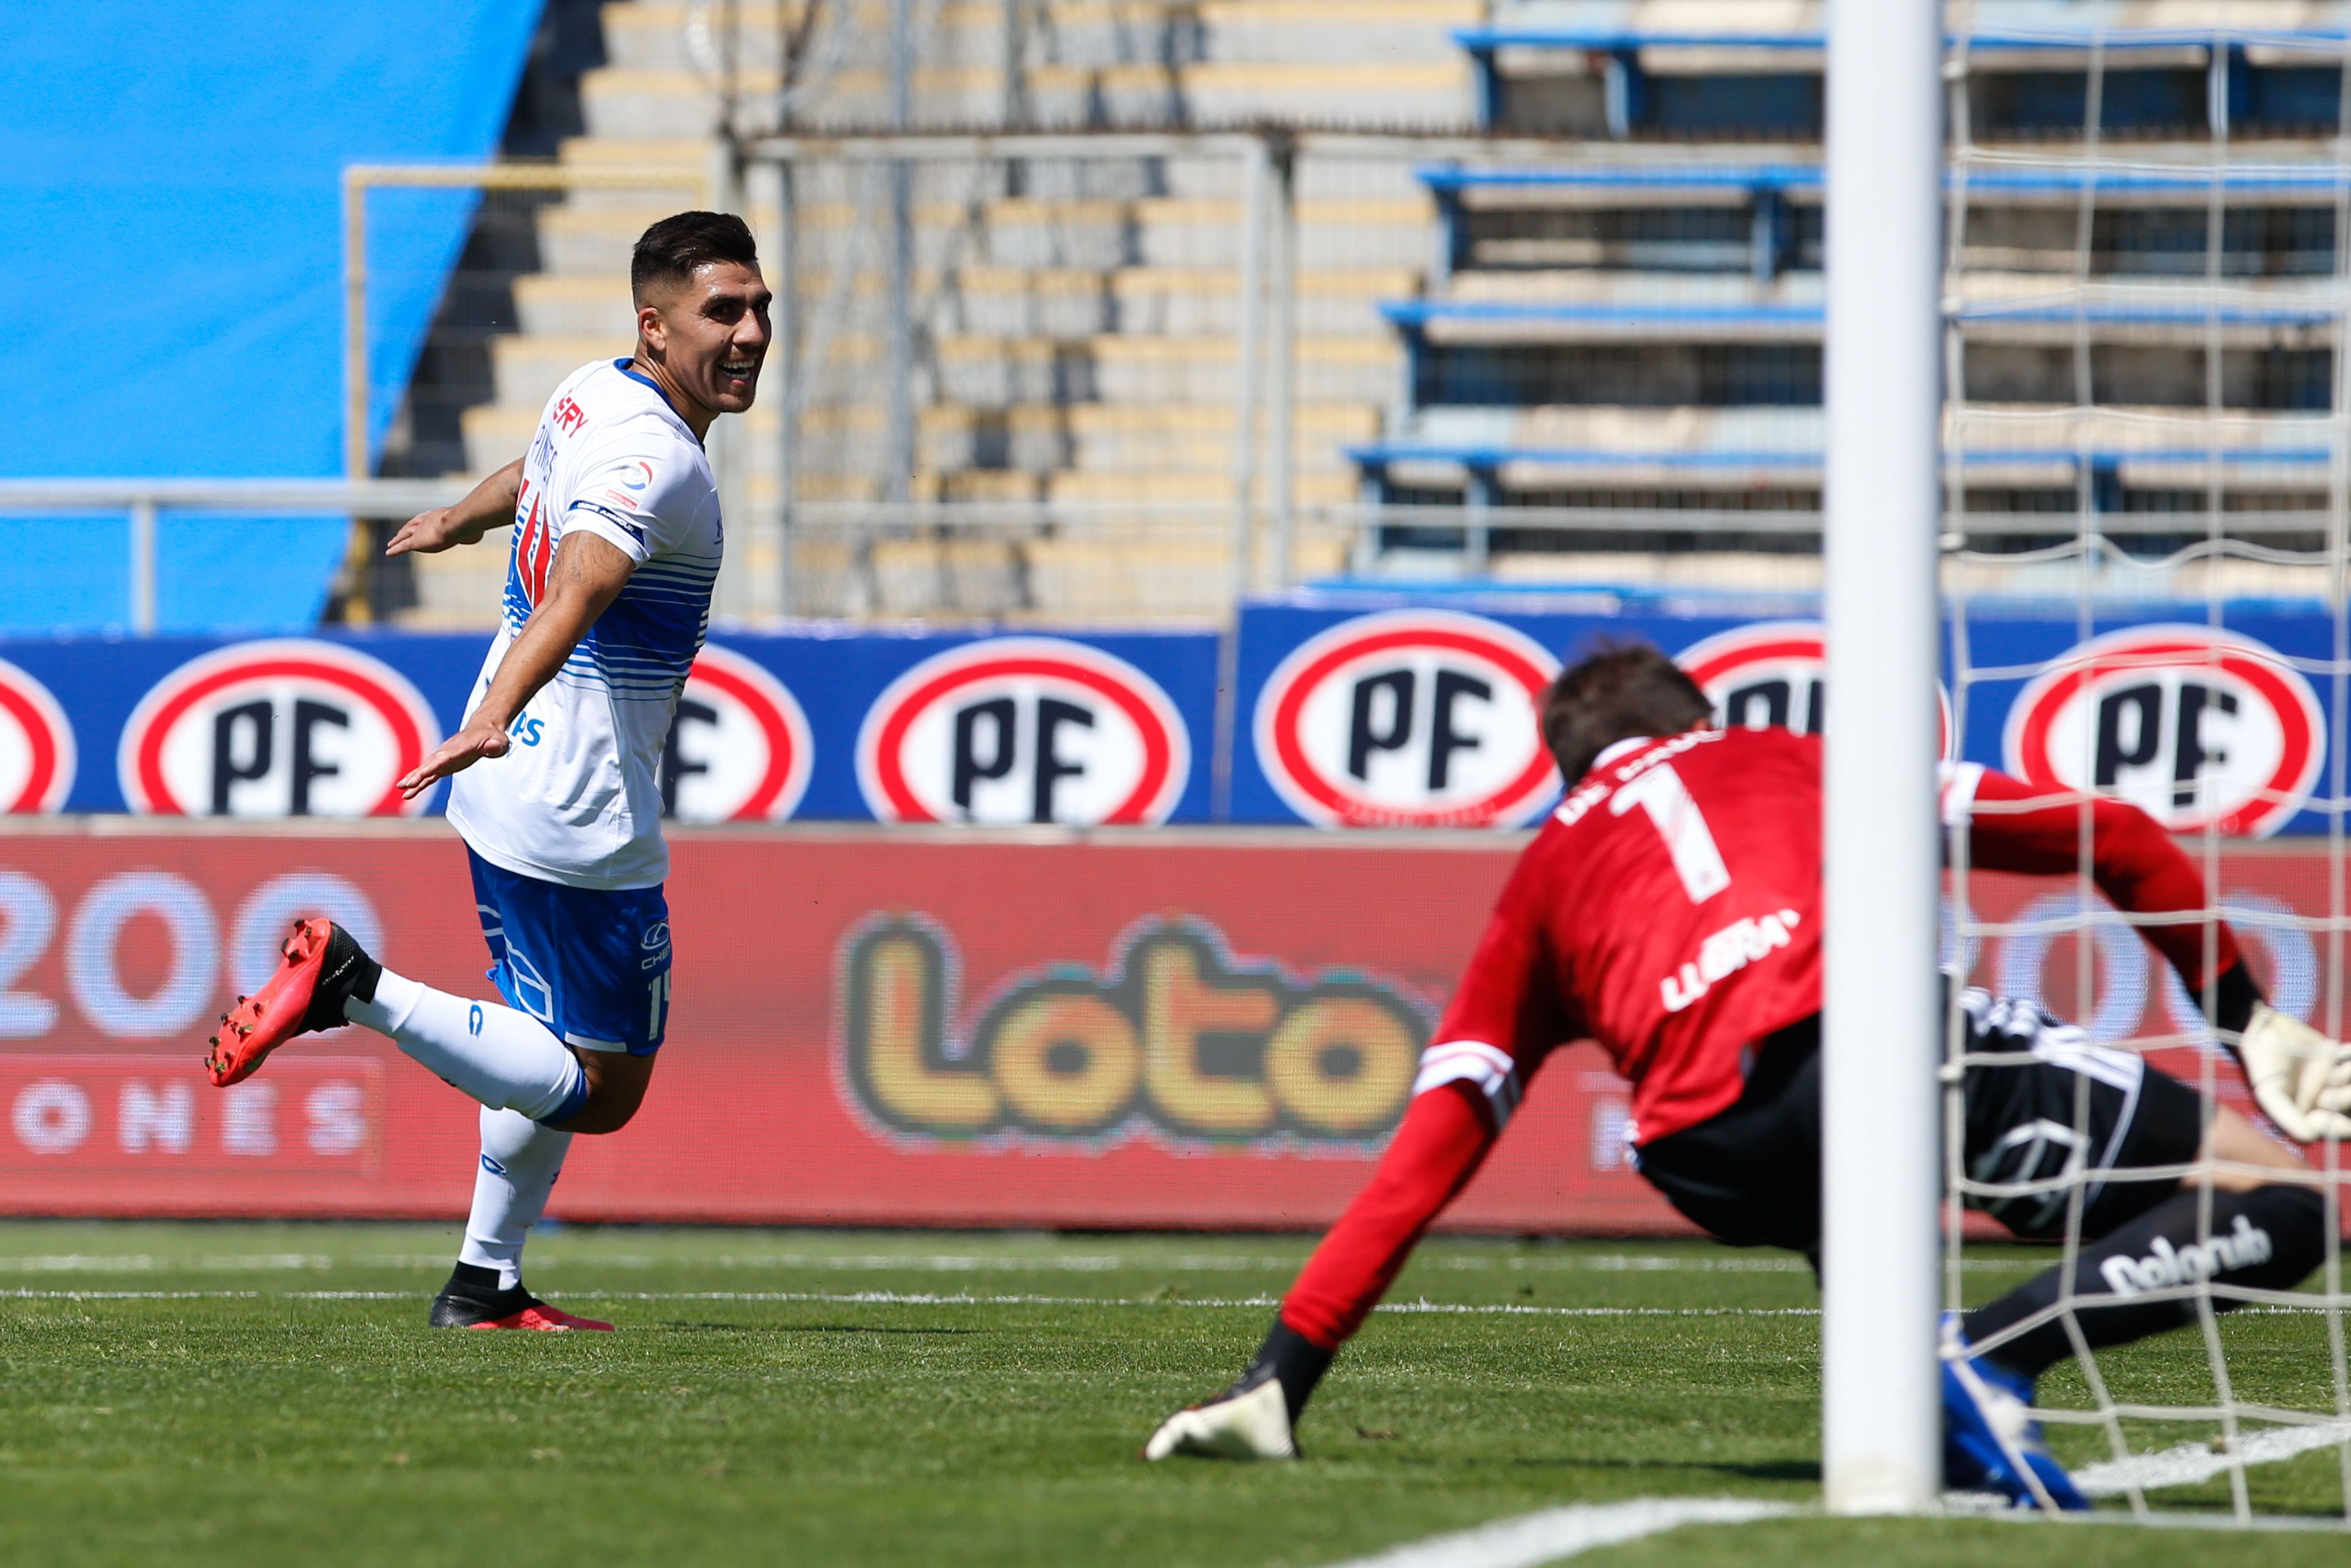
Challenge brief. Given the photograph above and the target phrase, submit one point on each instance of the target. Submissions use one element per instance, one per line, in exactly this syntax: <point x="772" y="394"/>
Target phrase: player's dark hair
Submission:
<point x="1614" y="693"/>
<point x="673" y="247"/>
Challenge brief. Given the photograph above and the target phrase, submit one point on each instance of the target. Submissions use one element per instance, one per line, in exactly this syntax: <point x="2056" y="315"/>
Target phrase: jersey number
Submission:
<point x="658" y="1008"/>
<point x="1696" y="860"/>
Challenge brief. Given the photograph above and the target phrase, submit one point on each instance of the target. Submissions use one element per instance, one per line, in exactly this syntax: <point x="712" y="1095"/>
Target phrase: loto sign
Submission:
<point x="1173" y="1037"/>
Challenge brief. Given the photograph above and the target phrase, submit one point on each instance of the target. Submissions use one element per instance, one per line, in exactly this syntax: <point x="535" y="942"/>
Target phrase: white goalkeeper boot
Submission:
<point x="1243" y="1422"/>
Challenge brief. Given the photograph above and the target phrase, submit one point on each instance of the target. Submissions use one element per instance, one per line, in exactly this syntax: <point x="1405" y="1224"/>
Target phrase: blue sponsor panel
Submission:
<point x="2202" y="725"/>
<point x="1362" y="710"/>
<point x="280" y="717"/>
<point x="1357" y="711"/>
<point x="1354" y="711"/>
<point x="820" y="722"/>
<point x="1001" y="728"/>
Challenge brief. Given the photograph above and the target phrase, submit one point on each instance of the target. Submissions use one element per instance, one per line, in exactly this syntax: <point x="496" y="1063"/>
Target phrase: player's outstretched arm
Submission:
<point x="587" y="574"/>
<point x="488" y="505"/>
<point x="1439" y="1148"/>
<point x="2300" y="1077"/>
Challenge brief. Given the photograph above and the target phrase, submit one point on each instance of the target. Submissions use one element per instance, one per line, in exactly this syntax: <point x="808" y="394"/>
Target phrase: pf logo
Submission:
<point x="2198" y="726"/>
<point x="738" y="750"/>
<point x="1773" y="675"/>
<point x="1409" y="718"/>
<point x="36" y="744"/>
<point x="283" y="729"/>
<point x="1023" y="729"/>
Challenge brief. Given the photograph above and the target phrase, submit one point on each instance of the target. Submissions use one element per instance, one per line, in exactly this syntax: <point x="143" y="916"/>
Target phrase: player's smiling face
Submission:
<point x="709" y="336"/>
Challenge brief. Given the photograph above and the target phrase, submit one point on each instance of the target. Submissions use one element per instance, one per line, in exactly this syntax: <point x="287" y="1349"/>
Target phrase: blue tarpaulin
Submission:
<point x="171" y="231"/>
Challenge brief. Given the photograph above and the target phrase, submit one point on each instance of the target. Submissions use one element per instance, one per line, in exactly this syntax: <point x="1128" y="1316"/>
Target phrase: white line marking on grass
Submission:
<point x="1559" y="1532"/>
<point x="130" y="1295"/>
<point x="930" y="1299"/>
<point x="146" y="1263"/>
<point x="2192" y="1462"/>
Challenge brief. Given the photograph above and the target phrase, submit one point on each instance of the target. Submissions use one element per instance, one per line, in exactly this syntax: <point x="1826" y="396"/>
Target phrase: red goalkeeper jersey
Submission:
<point x="1670" y="909"/>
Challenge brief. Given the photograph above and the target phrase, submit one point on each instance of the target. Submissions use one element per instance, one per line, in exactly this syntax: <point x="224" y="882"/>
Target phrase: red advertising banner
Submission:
<point x="874" y="1027"/>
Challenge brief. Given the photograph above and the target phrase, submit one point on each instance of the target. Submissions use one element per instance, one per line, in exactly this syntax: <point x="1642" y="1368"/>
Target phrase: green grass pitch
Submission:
<point x="242" y="1394"/>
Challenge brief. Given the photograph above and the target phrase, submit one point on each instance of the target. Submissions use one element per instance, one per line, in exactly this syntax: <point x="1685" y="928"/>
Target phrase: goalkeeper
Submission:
<point x="1671" y="911"/>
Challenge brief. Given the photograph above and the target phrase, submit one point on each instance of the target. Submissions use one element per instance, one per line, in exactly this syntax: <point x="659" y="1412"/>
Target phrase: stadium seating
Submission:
<point x="1633" y="325"/>
<point x="1643" y="328"/>
<point x="1077" y="339"/>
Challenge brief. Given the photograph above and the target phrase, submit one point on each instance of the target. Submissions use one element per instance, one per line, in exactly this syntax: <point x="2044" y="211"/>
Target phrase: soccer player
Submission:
<point x="555" y="784"/>
<point x="1671" y="911"/>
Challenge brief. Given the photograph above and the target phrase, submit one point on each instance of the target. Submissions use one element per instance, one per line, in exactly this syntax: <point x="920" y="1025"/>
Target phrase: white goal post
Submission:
<point x="1880" y="1449"/>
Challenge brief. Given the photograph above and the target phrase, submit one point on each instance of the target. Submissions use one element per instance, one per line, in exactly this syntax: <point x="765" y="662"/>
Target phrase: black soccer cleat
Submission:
<point x="471" y="1300"/>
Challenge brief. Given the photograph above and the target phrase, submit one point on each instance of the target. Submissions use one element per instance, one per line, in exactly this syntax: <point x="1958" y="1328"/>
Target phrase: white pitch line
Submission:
<point x="144" y="1263"/>
<point x="1559" y="1532"/>
<point x="929" y="1299"/>
<point x="912" y="1262"/>
<point x="2192" y="1462"/>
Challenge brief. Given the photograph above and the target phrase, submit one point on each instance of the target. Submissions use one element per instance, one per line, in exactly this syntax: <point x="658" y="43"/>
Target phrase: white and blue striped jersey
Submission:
<point x="577" y="799"/>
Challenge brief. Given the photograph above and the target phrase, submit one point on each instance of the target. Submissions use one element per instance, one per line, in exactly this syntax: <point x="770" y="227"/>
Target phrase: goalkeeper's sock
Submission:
<point x="520" y="1160"/>
<point x="507" y="1060"/>
<point x="2268" y="1238"/>
<point x="1291" y="1359"/>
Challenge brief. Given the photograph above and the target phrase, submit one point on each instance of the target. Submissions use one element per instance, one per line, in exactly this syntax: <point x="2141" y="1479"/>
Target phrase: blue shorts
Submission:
<point x="591" y="964"/>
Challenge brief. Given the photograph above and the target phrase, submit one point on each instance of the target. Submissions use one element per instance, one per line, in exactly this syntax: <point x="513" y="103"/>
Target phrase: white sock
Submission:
<point x="520" y="1160"/>
<point x="508" y="1060"/>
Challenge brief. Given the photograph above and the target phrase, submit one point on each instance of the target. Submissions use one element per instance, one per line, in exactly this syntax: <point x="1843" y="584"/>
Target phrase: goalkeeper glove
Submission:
<point x="1254" y="1418"/>
<point x="1244" y="1422"/>
<point x="2301" y="1079"/>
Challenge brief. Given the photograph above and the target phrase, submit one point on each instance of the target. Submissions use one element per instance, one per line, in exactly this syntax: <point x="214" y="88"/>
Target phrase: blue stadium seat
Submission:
<point x="2258" y="76"/>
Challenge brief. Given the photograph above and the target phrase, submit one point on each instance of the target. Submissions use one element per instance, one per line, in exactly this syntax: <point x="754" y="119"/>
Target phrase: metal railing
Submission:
<point x="360" y="180"/>
<point x="143" y="500"/>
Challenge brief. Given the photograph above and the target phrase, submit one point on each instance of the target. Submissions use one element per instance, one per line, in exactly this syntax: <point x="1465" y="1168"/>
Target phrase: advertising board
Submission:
<point x="1368" y="709"/>
<point x="1354" y="710"/>
<point x="909" y="1026"/>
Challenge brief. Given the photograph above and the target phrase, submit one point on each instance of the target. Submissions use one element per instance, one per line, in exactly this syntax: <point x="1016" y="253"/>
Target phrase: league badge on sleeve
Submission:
<point x="1023" y="729"/>
<point x="36" y="746"/>
<point x="738" y="750"/>
<point x="285" y="727"/>
<point x="1409" y="718"/>
<point x="2197" y="726"/>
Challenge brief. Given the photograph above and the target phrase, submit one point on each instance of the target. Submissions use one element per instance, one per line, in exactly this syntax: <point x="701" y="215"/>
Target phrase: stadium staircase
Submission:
<point x="1632" y="328"/>
<point x="1076" y="338"/>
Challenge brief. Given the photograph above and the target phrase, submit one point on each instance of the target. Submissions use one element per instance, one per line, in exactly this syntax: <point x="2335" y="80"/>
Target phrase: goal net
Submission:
<point x="2147" y="469"/>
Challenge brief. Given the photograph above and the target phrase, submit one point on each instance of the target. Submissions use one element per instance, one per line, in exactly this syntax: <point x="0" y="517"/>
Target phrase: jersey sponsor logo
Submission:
<point x="1174" y="1036"/>
<point x="289" y="727"/>
<point x="1409" y="718"/>
<point x="1774" y="675"/>
<point x="2198" y="727"/>
<point x="738" y="748"/>
<point x="1726" y="951"/>
<point x="2165" y="1266"/>
<point x="1023" y="729"/>
<point x="37" y="757"/>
